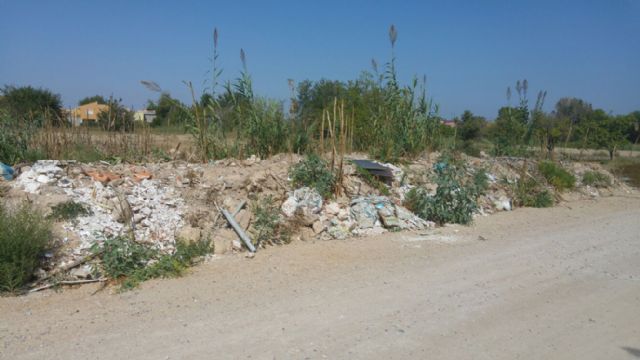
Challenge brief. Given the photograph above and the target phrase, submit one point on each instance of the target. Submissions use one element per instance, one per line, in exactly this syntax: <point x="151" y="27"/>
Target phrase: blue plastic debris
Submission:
<point x="6" y="171"/>
<point x="440" y="166"/>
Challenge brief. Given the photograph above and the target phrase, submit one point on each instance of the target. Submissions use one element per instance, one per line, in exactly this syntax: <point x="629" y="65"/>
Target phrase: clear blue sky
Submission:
<point x="470" y="51"/>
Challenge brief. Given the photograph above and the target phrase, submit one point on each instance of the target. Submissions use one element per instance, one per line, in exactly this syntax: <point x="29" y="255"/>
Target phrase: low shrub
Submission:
<point x="560" y="178"/>
<point x="25" y="235"/>
<point x="455" y="199"/>
<point x="121" y="256"/>
<point x="315" y="173"/>
<point x="268" y="227"/>
<point x="132" y="263"/>
<point x="68" y="210"/>
<point x="529" y="193"/>
<point x="170" y="265"/>
<point x="596" y="179"/>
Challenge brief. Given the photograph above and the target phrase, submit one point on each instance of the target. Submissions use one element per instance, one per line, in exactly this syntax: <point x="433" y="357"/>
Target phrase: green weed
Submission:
<point x="560" y="178"/>
<point x="596" y="178"/>
<point x="313" y="172"/>
<point x="529" y="193"/>
<point x="372" y="181"/>
<point x="25" y="235"/>
<point x="69" y="210"/>
<point x="170" y="265"/>
<point x="268" y="227"/>
<point x="456" y="196"/>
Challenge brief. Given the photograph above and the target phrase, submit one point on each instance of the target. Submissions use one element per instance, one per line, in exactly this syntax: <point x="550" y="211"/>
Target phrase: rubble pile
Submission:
<point x="153" y="211"/>
<point x="161" y="201"/>
<point x="364" y="215"/>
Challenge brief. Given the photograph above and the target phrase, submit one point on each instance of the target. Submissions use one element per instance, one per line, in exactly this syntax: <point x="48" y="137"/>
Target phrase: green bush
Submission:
<point x="596" y="178"/>
<point x="529" y="193"/>
<point x="560" y="178"/>
<point x="25" y="235"/>
<point x="268" y="227"/>
<point x="121" y="256"/>
<point x="315" y="173"/>
<point x="68" y="210"/>
<point x="455" y="199"/>
<point x="170" y="265"/>
<point x="132" y="262"/>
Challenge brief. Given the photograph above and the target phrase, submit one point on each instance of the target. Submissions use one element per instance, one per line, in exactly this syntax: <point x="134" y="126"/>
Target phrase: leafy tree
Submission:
<point x="509" y="130"/>
<point x="116" y="118"/>
<point x="634" y="128"/>
<point x="470" y="127"/>
<point x="89" y="99"/>
<point x="610" y="131"/>
<point x="549" y="129"/>
<point x="574" y="111"/>
<point x="27" y="103"/>
<point x="169" y="111"/>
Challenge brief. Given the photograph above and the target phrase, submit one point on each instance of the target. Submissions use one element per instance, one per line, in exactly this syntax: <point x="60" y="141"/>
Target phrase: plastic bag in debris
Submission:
<point x="6" y="172"/>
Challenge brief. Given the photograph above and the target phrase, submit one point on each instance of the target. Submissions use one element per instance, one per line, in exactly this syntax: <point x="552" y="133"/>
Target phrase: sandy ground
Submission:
<point x="561" y="283"/>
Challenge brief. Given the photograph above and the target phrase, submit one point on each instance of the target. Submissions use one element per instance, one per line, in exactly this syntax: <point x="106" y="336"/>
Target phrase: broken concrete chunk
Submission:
<point x="332" y="208"/>
<point x="364" y="213"/>
<point x="305" y="200"/>
<point x="339" y="232"/>
<point x="502" y="204"/>
<point x="390" y="222"/>
<point x="318" y="227"/>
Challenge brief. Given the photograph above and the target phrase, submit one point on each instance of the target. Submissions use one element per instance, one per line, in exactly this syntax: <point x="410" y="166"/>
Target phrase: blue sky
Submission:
<point x="470" y="51"/>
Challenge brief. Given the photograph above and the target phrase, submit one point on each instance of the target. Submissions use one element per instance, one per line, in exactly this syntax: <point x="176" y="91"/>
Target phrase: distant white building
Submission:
<point x="144" y="115"/>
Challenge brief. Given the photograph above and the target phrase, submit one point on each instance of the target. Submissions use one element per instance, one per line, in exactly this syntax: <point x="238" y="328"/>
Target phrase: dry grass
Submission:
<point x="88" y="144"/>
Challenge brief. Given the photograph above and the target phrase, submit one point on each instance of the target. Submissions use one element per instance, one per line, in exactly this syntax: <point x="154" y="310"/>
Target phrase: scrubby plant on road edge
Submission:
<point x="560" y="178"/>
<point x="529" y="193"/>
<point x="131" y="263"/>
<point x="596" y="178"/>
<point x="455" y="199"/>
<point x="268" y="227"/>
<point x="25" y="235"/>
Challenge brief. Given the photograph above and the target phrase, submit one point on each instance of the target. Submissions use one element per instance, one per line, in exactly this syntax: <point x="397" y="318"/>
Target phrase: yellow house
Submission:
<point x="87" y="113"/>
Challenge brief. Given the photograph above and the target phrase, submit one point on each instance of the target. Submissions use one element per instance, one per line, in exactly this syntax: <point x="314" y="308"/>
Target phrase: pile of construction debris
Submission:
<point x="163" y="201"/>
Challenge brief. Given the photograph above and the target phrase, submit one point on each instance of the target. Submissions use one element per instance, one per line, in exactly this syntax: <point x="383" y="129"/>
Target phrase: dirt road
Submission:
<point x="561" y="283"/>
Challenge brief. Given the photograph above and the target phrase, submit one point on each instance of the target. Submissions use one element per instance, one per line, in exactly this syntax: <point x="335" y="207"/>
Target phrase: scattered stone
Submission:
<point x="364" y="213"/>
<point x="318" y="227"/>
<point x="304" y="200"/>
<point x="332" y="208"/>
<point x="502" y="204"/>
<point x="237" y="245"/>
<point x="339" y="232"/>
<point x="82" y="272"/>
